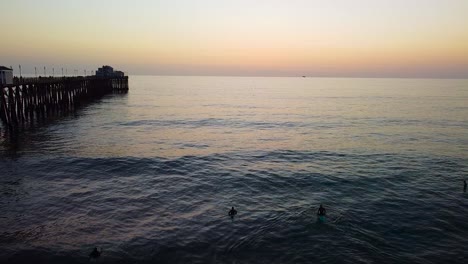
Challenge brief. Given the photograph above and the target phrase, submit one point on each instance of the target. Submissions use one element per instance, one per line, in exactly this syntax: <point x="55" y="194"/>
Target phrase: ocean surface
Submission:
<point x="150" y="176"/>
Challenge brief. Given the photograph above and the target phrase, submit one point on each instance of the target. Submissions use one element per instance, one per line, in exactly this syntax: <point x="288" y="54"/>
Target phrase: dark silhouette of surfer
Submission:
<point x="95" y="254"/>
<point x="232" y="212"/>
<point x="321" y="211"/>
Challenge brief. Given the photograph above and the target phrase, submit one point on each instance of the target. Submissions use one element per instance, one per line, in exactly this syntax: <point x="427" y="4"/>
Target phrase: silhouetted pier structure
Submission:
<point x="29" y="99"/>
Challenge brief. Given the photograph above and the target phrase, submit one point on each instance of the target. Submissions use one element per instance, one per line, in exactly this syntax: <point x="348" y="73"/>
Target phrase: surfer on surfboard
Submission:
<point x="232" y="212"/>
<point x="321" y="211"/>
<point x="95" y="254"/>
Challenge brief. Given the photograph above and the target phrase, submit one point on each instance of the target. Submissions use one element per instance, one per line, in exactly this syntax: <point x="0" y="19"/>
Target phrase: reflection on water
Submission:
<point x="27" y="135"/>
<point x="150" y="175"/>
<point x="174" y="116"/>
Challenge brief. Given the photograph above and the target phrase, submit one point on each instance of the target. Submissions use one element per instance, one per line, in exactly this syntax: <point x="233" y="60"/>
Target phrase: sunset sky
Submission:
<point x="349" y="38"/>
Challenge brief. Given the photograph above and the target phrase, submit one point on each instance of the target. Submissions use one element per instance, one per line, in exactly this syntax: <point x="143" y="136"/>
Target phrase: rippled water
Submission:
<point x="149" y="176"/>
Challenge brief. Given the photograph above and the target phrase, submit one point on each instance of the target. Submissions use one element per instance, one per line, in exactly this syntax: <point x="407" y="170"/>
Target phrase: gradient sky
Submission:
<point x="366" y="38"/>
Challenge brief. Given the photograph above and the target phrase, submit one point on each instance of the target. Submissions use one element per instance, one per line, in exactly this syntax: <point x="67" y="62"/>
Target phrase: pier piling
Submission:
<point x="30" y="99"/>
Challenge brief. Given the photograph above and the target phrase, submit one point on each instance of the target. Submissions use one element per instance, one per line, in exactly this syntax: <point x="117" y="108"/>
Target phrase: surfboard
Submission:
<point x="321" y="218"/>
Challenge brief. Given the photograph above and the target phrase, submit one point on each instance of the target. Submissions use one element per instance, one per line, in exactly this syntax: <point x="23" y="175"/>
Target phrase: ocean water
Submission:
<point x="150" y="176"/>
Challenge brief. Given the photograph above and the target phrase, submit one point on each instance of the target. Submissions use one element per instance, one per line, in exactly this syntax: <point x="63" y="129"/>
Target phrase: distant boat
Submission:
<point x="303" y="76"/>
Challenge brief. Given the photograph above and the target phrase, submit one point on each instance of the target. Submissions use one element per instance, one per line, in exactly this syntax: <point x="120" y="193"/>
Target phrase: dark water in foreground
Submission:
<point x="149" y="176"/>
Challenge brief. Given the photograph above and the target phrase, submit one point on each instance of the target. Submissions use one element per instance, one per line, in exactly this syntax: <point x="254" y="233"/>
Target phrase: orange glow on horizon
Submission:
<point x="336" y="37"/>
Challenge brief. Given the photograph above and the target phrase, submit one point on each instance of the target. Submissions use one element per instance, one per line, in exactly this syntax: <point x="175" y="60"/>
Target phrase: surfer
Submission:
<point x="95" y="253"/>
<point x="321" y="211"/>
<point x="232" y="212"/>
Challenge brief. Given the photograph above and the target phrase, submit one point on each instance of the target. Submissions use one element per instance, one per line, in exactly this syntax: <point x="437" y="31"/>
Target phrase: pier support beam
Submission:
<point x="39" y="98"/>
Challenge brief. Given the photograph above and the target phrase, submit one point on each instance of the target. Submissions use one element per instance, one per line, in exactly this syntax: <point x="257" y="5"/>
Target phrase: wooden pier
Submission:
<point x="30" y="99"/>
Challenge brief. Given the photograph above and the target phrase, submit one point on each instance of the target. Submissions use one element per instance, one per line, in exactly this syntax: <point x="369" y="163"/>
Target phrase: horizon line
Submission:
<point x="304" y="76"/>
<point x="272" y="76"/>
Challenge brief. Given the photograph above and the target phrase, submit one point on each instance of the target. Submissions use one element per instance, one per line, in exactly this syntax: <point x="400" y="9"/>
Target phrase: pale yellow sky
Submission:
<point x="368" y="38"/>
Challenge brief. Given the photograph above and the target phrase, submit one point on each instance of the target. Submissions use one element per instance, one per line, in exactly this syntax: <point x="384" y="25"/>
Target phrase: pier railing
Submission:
<point x="29" y="99"/>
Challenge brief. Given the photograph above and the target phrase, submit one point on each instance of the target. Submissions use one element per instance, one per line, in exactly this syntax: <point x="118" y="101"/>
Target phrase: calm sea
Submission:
<point x="149" y="176"/>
